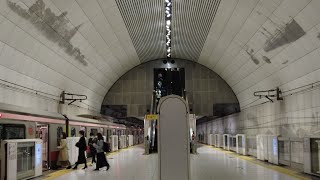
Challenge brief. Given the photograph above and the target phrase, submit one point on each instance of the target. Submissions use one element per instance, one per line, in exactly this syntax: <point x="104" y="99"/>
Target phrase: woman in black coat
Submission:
<point x="82" y="145"/>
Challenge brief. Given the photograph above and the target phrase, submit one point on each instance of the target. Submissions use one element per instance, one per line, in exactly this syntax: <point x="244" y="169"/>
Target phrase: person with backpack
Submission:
<point x="101" y="148"/>
<point x="93" y="152"/>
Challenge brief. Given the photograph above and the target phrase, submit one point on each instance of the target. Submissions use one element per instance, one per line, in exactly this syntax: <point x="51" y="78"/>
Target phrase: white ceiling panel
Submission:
<point x="252" y="44"/>
<point x="235" y="23"/>
<point x="223" y="14"/>
<point x="191" y="24"/>
<point x="252" y="24"/>
<point x="145" y="22"/>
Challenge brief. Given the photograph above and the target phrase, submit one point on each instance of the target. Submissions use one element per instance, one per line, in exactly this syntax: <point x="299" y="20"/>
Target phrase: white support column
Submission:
<point x="173" y="139"/>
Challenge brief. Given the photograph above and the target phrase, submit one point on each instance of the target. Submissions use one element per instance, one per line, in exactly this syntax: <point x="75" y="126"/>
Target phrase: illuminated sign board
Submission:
<point x="152" y="117"/>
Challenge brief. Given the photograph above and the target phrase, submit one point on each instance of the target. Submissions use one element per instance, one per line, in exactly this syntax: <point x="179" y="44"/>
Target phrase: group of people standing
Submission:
<point x="96" y="146"/>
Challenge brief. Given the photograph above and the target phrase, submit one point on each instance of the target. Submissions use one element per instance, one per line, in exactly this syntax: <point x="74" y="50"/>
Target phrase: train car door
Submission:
<point x="42" y="132"/>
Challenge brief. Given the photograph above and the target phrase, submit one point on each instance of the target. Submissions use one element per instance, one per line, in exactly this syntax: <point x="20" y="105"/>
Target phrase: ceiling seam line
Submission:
<point x="98" y="1"/>
<point x="224" y="27"/>
<point x="237" y="32"/>
<point x="97" y="32"/>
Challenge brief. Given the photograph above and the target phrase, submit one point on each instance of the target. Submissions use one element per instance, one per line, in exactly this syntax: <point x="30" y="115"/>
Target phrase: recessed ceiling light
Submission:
<point x="168" y="17"/>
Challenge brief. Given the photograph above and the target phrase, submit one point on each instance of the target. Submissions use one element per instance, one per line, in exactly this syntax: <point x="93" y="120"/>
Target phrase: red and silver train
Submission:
<point x="49" y="127"/>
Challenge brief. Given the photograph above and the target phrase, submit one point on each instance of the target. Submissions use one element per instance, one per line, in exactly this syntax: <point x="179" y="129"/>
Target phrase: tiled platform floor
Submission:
<point x="207" y="165"/>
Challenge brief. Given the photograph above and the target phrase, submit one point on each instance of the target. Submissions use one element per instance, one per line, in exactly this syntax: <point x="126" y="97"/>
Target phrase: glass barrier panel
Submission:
<point x="25" y="160"/>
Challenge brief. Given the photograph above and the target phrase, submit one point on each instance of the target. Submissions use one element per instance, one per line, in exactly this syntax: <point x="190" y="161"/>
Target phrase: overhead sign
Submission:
<point x="152" y="117"/>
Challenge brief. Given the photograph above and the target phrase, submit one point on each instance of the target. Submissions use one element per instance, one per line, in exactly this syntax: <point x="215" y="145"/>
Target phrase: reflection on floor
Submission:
<point x="207" y="165"/>
<point x="215" y="164"/>
<point x="129" y="164"/>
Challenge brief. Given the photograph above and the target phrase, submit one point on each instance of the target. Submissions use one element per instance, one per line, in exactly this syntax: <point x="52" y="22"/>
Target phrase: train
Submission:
<point x="49" y="127"/>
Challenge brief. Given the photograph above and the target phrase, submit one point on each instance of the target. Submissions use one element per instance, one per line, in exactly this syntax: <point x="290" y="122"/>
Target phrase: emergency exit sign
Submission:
<point x="152" y="117"/>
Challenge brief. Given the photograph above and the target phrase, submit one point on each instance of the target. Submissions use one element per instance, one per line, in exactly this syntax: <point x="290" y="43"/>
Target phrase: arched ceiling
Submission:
<point x="252" y="44"/>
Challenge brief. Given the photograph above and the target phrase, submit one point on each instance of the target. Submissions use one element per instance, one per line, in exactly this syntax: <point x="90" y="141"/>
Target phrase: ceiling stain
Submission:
<point x="286" y="34"/>
<point x="266" y="59"/>
<point x="55" y="28"/>
<point x="252" y="57"/>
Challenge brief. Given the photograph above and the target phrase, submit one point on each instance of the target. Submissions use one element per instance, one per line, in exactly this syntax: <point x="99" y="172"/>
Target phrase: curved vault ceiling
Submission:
<point x="252" y="44"/>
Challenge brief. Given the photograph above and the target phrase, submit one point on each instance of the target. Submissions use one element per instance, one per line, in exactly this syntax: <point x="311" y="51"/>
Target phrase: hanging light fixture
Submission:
<point x="168" y="26"/>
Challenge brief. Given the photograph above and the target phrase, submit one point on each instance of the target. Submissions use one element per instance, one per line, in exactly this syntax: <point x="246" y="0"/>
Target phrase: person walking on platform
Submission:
<point x="93" y="152"/>
<point x="101" y="157"/>
<point x="63" y="158"/>
<point x="82" y="145"/>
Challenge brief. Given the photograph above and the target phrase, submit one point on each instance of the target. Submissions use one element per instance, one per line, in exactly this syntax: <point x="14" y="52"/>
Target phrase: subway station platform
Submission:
<point x="209" y="164"/>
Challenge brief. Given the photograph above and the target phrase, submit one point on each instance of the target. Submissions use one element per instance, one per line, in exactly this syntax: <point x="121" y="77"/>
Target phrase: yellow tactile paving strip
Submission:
<point x="59" y="173"/>
<point x="266" y="165"/>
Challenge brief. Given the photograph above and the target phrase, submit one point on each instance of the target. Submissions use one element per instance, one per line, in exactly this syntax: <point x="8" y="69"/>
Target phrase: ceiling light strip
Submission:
<point x="168" y="18"/>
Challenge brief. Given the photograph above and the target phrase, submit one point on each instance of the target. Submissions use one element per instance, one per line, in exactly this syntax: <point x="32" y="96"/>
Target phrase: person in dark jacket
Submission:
<point x="101" y="157"/>
<point x="82" y="145"/>
<point x="93" y="152"/>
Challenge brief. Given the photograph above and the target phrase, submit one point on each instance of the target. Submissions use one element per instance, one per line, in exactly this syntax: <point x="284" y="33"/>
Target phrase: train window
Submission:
<point x="1" y="130"/>
<point x="84" y="129"/>
<point x="59" y="132"/>
<point x="94" y="131"/>
<point x="13" y="131"/>
<point x="73" y="132"/>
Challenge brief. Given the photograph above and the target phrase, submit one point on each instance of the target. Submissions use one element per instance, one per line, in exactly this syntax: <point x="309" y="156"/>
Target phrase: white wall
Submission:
<point x="297" y="116"/>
